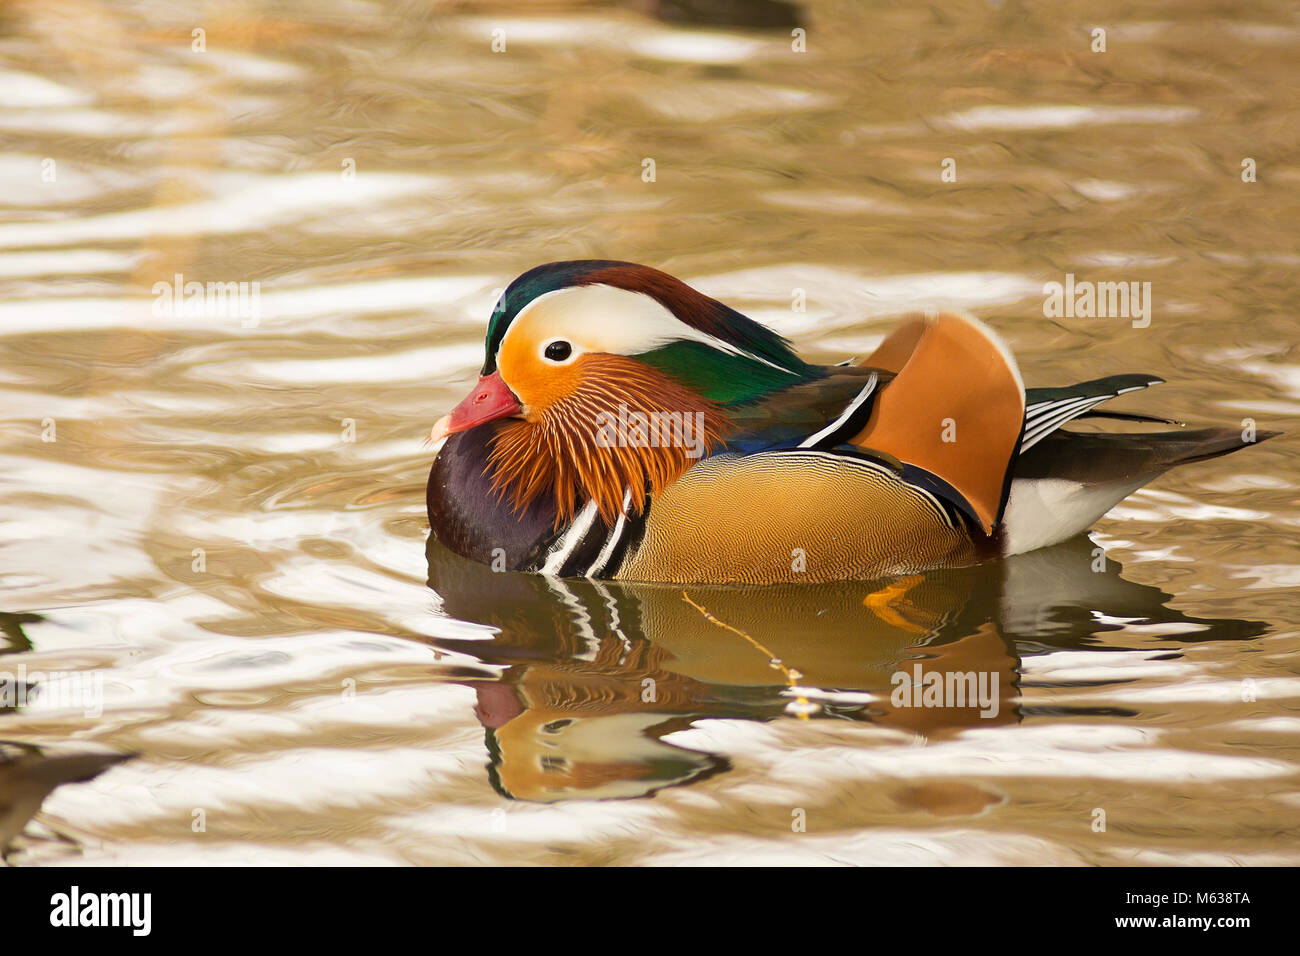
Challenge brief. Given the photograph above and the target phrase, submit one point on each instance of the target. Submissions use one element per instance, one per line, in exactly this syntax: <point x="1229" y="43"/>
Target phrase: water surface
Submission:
<point x="217" y="525"/>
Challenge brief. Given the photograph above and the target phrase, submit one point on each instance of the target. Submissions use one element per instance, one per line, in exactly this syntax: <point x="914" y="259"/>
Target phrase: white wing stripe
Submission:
<point x="1044" y="423"/>
<point x="853" y="406"/>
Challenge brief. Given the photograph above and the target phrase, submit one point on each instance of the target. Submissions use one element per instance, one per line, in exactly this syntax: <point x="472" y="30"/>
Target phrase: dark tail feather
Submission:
<point x="1129" y="417"/>
<point x="1093" y="458"/>
<point x="1205" y="443"/>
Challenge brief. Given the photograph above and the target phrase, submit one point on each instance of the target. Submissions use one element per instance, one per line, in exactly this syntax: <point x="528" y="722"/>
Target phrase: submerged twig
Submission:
<point x="791" y="675"/>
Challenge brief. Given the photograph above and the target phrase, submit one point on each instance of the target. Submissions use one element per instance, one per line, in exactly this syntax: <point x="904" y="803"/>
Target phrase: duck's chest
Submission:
<point x="470" y="518"/>
<point x="467" y="516"/>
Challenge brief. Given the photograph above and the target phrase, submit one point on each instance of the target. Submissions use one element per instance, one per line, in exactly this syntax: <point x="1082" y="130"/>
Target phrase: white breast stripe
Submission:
<point x="854" y="405"/>
<point x="599" y="564"/>
<point x="560" y="551"/>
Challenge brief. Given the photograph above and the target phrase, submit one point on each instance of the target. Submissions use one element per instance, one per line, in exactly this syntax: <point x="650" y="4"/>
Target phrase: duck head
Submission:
<point x="607" y="380"/>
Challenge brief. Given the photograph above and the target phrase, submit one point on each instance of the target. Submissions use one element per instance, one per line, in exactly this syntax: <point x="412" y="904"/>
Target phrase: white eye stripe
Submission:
<point x="602" y="318"/>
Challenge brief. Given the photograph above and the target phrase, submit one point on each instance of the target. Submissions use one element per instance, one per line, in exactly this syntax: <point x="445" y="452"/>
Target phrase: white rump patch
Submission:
<point x="1045" y="511"/>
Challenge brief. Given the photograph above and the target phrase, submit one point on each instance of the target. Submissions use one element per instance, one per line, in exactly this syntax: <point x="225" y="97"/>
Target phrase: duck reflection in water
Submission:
<point x="597" y="673"/>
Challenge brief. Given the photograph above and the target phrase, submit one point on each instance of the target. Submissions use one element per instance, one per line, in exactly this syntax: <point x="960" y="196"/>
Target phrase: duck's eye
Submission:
<point x="558" y="350"/>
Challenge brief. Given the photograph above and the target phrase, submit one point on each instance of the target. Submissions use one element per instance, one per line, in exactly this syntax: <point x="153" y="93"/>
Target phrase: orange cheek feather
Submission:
<point x="559" y="448"/>
<point x="537" y="384"/>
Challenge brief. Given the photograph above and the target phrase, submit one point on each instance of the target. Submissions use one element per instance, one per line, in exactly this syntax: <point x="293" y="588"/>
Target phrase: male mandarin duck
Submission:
<point x="626" y="426"/>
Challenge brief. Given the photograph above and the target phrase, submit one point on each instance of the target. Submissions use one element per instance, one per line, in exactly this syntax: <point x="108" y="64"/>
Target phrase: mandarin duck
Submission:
<point x="626" y="426"/>
<point x="561" y="687"/>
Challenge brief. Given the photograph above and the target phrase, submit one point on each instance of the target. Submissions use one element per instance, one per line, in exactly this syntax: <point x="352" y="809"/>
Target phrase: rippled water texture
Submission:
<point x="213" y="529"/>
